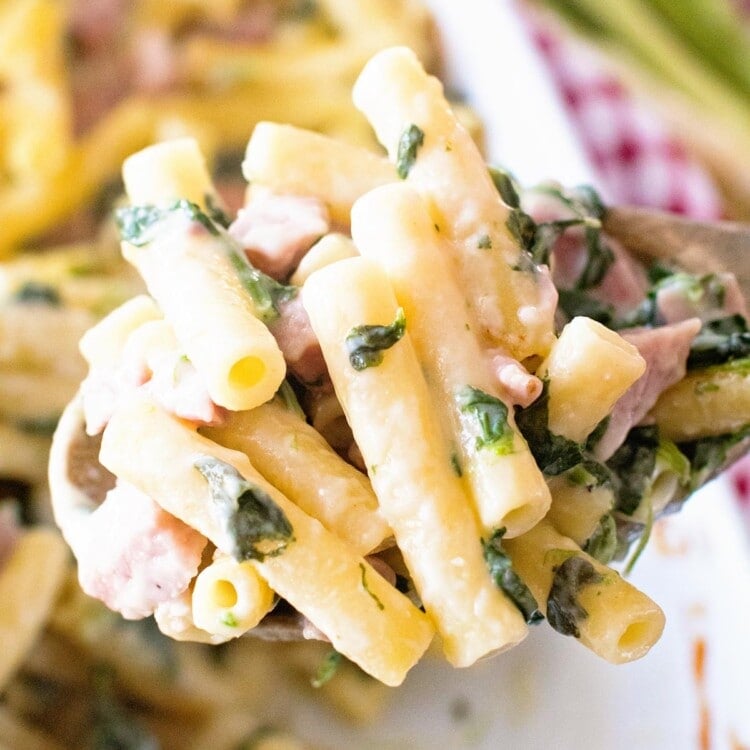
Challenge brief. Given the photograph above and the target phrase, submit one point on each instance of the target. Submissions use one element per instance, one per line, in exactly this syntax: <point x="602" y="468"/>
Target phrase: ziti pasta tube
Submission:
<point x="381" y="387"/>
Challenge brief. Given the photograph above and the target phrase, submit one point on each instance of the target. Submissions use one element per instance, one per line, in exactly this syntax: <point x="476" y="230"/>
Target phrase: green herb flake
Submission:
<point x="506" y="186"/>
<point x="575" y="302"/>
<point x="288" y="398"/>
<point x="255" y="523"/>
<point x="408" y="145"/>
<point x="229" y="620"/>
<point x="491" y="415"/>
<point x="484" y="242"/>
<point x="602" y="544"/>
<point x="215" y="212"/>
<point x="456" y="465"/>
<point x="719" y="342"/>
<point x="365" y="344"/>
<point x="564" y="611"/>
<point x="36" y="293"/>
<point x="642" y="541"/>
<point x="708" y="455"/>
<point x="507" y="580"/>
<point x="327" y="669"/>
<point x="374" y="596"/>
<point x="41" y="425"/>
<point x="706" y="387"/>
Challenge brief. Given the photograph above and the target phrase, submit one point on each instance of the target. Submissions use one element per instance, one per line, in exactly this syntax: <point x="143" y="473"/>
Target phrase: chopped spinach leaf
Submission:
<point x="574" y="302"/>
<point x="671" y="458"/>
<point x="491" y="415"/>
<point x="365" y="344"/>
<point x="602" y="544"/>
<point x="507" y="580"/>
<point x="597" y="434"/>
<point x="707" y="455"/>
<point x="34" y="292"/>
<point x="720" y="341"/>
<point x="553" y="453"/>
<point x="506" y="186"/>
<point x="633" y="463"/>
<point x="408" y="145"/>
<point x="327" y="669"/>
<point x="267" y="294"/>
<point x="138" y="225"/>
<point x="374" y="596"/>
<point x="600" y="258"/>
<point x="564" y="611"/>
<point x="215" y="212"/>
<point x="256" y="524"/>
<point x="642" y="540"/>
<point x="522" y="228"/>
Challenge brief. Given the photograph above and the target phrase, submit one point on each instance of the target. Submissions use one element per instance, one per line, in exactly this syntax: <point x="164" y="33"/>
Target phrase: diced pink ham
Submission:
<point x="134" y="555"/>
<point x="277" y="230"/>
<point x="519" y="385"/>
<point x="382" y="567"/>
<point x="170" y="380"/>
<point x="665" y="350"/>
<point x="625" y="283"/>
<point x="674" y="303"/>
<point x="177" y="387"/>
<point x="9" y="531"/>
<point x="298" y="343"/>
<point x="101" y="392"/>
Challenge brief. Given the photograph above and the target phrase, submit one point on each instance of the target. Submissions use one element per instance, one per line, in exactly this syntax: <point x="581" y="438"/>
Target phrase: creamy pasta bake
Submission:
<point x="395" y="393"/>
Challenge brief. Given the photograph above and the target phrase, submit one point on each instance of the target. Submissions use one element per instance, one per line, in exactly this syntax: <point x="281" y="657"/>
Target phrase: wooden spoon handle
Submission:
<point x="695" y="246"/>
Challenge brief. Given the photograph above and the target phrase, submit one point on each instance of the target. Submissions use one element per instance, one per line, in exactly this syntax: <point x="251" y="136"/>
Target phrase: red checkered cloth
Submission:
<point x="638" y="160"/>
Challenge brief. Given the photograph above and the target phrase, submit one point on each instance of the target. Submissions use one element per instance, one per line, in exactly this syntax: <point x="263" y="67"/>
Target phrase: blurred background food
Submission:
<point x="690" y="60"/>
<point x="84" y="84"/>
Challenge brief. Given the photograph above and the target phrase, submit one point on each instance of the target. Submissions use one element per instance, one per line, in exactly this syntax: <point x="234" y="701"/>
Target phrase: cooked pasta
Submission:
<point x="490" y="496"/>
<point x="347" y="410"/>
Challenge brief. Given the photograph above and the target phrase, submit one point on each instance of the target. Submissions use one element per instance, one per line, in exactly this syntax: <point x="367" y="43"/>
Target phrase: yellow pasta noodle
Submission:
<point x="327" y="250"/>
<point x="513" y="305"/>
<point x="709" y="401"/>
<point x="391" y="226"/>
<point x="620" y="623"/>
<point x="29" y="582"/>
<point x="291" y="160"/>
<point x="102" y="344"/>
<point x="230" y="598"/>
<point x="186" y="259"/>
<point x="297" y="460"/>
<point x="409" y="463"/>
<point x="589" y="368"/>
